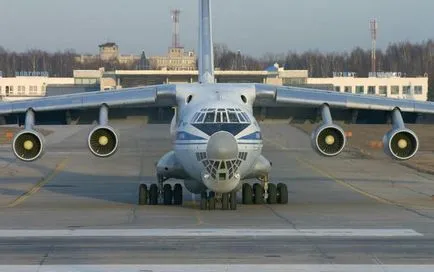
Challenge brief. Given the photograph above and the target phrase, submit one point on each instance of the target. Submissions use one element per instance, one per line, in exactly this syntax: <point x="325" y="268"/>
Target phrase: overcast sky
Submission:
<point x="252" y="26"/>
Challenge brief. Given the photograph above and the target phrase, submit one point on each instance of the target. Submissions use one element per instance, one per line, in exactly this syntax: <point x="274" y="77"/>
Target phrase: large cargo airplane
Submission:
<point x="217" y="141"/>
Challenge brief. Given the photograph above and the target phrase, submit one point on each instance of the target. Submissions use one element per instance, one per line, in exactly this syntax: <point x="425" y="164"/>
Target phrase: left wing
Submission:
<point x="329" y="139"/>
<point x="268" y="95"/>
<point x="149" y="95"/>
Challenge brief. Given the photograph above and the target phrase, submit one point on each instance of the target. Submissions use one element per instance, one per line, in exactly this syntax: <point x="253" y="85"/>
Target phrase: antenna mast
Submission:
<point x="175" y="34"/>
<point x="374" y="28"/>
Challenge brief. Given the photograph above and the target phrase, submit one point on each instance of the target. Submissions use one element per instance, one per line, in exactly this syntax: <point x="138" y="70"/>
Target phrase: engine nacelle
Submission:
<point x="328" y="140"/>
<point x="103" y="141"/>
<point x="401" y="144"/>
<point x="28" y="145"/>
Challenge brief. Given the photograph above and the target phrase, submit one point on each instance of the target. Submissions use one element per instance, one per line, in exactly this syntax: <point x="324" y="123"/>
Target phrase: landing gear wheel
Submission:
<point x="143" y="194"/>
<point x="259" y="194"/>
<point x="177" y="194"/>
<point x="203" y="201"/>
<point x="167" y="194"/>
<point x="272" y="194"/>
<point x="247" y="192"/>
<point x="233" y="200"/>
<point x="225" y="202"/>
<point x="153" y="194"/>
<point x="282" y="193"/>
<point x="211" y="201"/>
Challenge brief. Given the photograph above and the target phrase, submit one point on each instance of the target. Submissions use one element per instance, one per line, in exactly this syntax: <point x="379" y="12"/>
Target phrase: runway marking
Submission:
<point x="38" y="185"/>
<point x="67" y="233"/>
<point x="219" y="268"/>
<point x="344" y="183"/>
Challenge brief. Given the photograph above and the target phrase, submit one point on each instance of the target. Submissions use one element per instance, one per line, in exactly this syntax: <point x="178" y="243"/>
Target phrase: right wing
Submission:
<point x="148" y="96"/>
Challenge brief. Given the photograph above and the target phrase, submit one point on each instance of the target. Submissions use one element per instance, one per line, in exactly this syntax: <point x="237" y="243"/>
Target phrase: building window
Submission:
<point x="417" y="90"/>
<point x="406" y="89"/>
<point x="337" y="88"/>
<point x="382" y="90"/>
<point x="394" y="90"/>
<point x="7" y="90"/>
<point x="360" y="89"/>
<point x="371" y="89"/>
<point x="348" y="89"/>
<point x="11" y="90"/>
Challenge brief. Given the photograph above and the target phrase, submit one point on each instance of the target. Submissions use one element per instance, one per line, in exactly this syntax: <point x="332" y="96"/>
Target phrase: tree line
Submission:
<point x="411" y="59"/>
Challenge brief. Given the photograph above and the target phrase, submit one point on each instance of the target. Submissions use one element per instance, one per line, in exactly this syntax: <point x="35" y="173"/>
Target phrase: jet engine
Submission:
<point x="28" y="145"/>
<point x="401" y="144"/>
<point x="328" y="140"/>
<point x="103" y="141"/>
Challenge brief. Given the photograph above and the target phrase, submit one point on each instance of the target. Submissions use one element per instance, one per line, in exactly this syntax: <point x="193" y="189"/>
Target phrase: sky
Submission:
<point x="255" y="27"/>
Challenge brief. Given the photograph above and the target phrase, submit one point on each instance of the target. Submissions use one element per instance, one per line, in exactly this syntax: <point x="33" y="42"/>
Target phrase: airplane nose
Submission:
<point x="222" y="146"/>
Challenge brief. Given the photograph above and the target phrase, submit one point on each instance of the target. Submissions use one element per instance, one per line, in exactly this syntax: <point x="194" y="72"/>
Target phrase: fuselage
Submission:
<point x="217" y="139"/>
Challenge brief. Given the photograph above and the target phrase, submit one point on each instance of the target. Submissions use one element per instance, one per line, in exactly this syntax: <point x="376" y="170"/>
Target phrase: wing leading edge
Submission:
<point x="269" y="95"/>
<point x="149" y="95"/>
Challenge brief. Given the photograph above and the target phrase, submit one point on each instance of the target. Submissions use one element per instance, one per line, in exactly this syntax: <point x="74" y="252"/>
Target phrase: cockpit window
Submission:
<point x="233" y="117"/>
<point x="209" y="118"/>
<point x="200" y="119"/>
<point x="241" y="117"/>
<point x="230" y="115"/>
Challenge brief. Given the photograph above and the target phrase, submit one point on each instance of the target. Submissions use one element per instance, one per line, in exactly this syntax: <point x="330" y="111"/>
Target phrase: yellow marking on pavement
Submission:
<point x="38" y="185"/>
<point x="338" y="181"/>
<point x="344" y="183"/>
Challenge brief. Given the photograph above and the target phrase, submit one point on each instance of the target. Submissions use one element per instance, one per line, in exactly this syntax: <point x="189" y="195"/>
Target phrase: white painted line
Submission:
<point x="218" y="268"/>
<point x="209" y="233"/>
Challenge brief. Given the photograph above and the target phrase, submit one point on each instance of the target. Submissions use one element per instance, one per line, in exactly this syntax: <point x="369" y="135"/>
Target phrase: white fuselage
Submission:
<point x="217" y="139"/>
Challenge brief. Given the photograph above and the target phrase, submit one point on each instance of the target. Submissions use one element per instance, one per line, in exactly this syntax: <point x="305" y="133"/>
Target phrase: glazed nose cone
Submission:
<point x="222" y="146"/>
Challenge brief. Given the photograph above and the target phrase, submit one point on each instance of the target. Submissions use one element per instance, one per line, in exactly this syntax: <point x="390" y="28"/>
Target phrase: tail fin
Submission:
<point x="206" y="50"/>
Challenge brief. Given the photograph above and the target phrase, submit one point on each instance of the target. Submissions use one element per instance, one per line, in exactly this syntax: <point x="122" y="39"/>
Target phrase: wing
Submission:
<point x="149" y="95"/>
<point x="268" y="95"/>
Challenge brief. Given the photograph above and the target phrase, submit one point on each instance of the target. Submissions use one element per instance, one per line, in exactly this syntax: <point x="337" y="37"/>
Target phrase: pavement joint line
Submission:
<point x="38" y="185"/>
<point x="207" y="232"/>
<point x="221" y="268"/>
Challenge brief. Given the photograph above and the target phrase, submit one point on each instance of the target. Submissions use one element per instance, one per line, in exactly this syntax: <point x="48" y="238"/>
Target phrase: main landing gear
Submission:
<point x="265" y="193"/>
<point x="157" y="193"/>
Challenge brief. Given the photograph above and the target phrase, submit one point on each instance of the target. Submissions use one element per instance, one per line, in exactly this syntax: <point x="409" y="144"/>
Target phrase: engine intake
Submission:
<point x="401" y="144"/>
<point x="103" y="141"/>
<point x="328" y="140"/>
<point x="28" y="145"/>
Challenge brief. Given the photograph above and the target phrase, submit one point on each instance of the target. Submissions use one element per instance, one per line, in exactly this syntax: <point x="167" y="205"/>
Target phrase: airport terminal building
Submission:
<point x="27" y="86"/>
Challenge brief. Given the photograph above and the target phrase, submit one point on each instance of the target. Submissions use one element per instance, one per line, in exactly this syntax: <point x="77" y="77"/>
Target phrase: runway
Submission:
<point x="70" y="208"/>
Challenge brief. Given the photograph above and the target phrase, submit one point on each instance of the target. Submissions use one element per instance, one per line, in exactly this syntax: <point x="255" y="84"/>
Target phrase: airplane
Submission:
<point x="217" y="143"/>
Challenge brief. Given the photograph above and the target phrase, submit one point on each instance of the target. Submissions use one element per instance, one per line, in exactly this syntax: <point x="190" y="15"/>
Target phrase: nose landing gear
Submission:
<point x="213" y="201"/>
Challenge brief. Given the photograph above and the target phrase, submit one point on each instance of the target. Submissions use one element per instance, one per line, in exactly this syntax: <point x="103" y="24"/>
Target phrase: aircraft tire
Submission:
<point x="272" y="194"/>
<point x="203" y="201"/>
<point x="167" y="194"/>
<point x="258" y="191"/>
<point x="225" y="201"/>
<point x="247" y="192"/>
<point x="153" y="194"/>
<point x="177" y="194"/>
<point x="211" y="201"/>
<point x="282" y="193"/>
<point x="233" y="200"/>
<point x="143" y="194"/>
